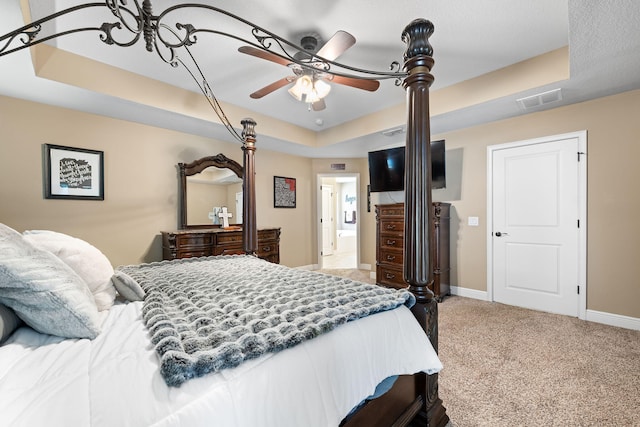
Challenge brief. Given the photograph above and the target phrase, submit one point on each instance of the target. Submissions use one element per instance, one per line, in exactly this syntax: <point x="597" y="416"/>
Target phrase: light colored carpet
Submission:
<point x="509" y="366"/>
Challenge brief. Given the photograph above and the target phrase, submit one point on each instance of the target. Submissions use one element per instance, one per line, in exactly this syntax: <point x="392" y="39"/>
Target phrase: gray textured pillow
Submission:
<point x="43" y="291"/>
<point x="9" y="322"/>
<point x="127" y="286"/>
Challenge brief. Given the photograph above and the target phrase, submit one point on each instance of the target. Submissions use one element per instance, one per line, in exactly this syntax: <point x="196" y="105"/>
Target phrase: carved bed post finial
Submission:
<point x="249" y="228"/>
<point x="418" y="268"/>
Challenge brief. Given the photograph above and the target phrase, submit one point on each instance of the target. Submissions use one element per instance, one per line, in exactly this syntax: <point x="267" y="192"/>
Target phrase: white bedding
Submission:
<point x="114" y="380"/>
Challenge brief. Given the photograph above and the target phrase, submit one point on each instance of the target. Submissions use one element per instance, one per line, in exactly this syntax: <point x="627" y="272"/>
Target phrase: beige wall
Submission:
<point x="141" y="188"/>
<point x="140" y="182"/>
<point x="613" y="233"/>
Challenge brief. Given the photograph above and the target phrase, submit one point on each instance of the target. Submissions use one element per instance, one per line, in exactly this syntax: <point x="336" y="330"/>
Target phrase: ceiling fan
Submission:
<point x="310" y="82"/>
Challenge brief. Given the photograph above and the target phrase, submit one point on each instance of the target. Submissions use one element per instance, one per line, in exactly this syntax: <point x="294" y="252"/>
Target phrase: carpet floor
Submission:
<point x="509" y="366"/>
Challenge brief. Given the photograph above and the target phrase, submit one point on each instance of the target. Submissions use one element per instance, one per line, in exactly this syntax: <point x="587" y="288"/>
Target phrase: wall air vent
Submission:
<point x="539" y="99"/>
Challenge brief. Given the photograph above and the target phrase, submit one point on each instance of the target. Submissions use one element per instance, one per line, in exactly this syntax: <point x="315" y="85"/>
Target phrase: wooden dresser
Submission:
<point x="390" y="246"/>
<point x="217" y="241"/>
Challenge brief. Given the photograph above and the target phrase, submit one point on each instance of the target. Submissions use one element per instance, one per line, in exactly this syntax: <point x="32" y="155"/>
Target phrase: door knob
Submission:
<point x="498" y="234"/>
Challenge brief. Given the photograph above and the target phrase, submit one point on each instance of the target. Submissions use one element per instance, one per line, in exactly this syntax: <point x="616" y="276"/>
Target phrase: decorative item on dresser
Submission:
<point x="389" y="246"/>
<point x="195" y="242"/>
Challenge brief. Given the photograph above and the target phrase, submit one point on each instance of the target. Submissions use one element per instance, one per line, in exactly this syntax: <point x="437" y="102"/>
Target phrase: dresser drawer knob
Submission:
<point x="391" y="242"/>
<point x="391" y="257"/>
<point x="391" y="226"/>
<point x="266" y="249"/>
<point x="390" y="276"/>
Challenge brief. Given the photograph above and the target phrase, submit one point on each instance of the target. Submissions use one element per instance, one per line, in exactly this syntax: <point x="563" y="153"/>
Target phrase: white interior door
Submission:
<point x="327" y="220"/>
<point x="535" y="234"/>
<point x="239" y="203"/>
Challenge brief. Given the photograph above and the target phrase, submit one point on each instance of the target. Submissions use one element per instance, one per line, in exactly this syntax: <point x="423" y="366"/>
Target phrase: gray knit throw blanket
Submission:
<point x="212" y="313"/>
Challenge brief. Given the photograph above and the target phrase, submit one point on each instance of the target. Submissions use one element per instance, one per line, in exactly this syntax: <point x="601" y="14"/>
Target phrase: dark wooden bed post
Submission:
<point x="418" y="271"/>
<point x="249" y="228"/>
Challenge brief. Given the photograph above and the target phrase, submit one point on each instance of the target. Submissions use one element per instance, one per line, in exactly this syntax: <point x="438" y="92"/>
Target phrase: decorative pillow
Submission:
<point x="9" y="322"/>
<point x="83" y="258"/>
<point x="43" y="291"/>
<point x="127" y="286"/>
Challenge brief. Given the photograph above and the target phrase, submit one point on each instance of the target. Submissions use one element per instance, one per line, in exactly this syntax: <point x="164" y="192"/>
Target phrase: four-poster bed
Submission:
<point x="116" y="356"/>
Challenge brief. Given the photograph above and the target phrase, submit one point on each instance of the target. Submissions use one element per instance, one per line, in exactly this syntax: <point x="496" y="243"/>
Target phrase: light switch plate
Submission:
<point x="474" y="221"/>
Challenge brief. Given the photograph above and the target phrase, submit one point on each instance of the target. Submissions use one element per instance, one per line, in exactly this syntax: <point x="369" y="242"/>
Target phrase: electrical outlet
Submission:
<point x="474" y="221"/>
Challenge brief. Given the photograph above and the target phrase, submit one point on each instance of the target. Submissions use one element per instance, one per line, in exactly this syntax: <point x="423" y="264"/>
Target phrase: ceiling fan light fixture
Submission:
<point x="321" y="88"/>
<point x="306" y="89"/>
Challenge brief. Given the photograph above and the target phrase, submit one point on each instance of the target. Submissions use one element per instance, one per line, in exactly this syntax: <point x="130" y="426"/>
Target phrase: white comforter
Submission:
<point x="114" y="379"/>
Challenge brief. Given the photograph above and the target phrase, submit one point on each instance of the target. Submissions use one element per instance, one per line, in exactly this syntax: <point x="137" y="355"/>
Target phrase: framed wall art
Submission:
<point x="73" y="173"/>
<point x="284" y="192"/>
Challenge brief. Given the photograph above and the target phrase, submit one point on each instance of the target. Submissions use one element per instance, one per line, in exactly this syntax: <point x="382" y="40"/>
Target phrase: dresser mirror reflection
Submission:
<point x="210" y="187"/>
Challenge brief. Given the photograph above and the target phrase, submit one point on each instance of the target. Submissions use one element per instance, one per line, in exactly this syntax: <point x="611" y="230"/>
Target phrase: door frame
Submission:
<point x="319" y="178"/>
<point x="582" y="209"/>
<point x="323" y="226"/>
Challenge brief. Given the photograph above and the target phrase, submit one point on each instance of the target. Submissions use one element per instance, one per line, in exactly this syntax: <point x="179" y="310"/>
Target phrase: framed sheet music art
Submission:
<point x="73" y="173"/>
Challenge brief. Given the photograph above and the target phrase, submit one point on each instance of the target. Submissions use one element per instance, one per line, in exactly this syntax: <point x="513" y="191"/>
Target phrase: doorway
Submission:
<point x="536" y="243"/>
<point x="338" y="228"/>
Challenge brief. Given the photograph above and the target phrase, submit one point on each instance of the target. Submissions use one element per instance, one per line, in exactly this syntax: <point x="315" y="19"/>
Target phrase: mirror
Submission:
<point x="207" y="186"/>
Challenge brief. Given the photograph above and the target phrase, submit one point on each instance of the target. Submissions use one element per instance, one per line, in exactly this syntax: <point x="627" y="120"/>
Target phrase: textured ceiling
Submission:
<point x="470" y="39"/>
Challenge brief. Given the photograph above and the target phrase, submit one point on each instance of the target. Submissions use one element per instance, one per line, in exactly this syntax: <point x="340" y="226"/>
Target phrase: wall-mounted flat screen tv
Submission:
<point x="386" y="168"/>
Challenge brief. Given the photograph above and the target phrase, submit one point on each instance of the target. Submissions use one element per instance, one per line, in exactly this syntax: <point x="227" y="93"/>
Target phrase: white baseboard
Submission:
<point x="309" y="267"/>
<point x="592" y="315"/>
<point x="365" y="267"/>
<point x="613" y="319"/>
<point x="469" y="293"/>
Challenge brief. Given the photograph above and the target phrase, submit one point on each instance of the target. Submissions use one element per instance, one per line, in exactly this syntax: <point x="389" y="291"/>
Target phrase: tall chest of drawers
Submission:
<point x="217" y="241"/>
<point x="390" y="246"/>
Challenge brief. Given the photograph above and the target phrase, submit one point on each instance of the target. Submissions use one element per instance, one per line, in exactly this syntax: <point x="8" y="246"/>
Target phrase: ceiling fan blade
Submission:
<point x="249" y="50"/>
<point x="319" y="105"/>
<point x="370" y="85"/>
<point x="272" y="87"/>
<point x="336" y="45"/>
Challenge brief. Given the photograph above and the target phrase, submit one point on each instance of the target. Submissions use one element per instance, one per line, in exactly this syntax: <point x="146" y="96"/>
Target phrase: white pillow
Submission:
<point x="83" y="258"/>
<point x="43" y="291"/>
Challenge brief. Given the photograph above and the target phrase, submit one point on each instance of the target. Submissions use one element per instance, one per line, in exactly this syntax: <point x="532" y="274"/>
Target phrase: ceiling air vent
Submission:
<point x="540" y="99"/>
<point x="392" y="132"/>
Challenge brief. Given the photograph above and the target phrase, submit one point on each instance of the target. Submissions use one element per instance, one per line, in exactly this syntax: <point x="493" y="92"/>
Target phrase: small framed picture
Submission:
<point x="284" y="192"/>
<point x="73" y="173"/>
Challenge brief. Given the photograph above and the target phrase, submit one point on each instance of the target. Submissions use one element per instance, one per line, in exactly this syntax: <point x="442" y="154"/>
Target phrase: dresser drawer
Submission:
<point x="391" y="226"/>
<point x="388" y="256"/>
<point x="391" y="210"/>
<point x="390" y="276"/>
<point x="194" y="240"/>
<point x="267" y="248"/>
<point x="228" y="250"/>
<point x="190" y="254"/>
<point x="233" y="238"/>
<point x="271" y="234"/>
<point x="391" y="242"/>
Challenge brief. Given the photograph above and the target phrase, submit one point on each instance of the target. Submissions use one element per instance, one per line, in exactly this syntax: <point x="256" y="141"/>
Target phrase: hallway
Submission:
<point x="344" y="253"/>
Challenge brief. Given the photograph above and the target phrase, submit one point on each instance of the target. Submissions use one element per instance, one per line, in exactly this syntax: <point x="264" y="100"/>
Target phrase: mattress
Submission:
<point x="114" y="380"/>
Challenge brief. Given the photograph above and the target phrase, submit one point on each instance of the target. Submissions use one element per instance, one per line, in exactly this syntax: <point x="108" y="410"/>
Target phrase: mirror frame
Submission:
<point x="188" y="169"/>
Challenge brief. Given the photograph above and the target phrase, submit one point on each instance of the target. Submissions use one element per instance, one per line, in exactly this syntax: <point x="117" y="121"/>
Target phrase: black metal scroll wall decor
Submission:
<point x="135" y="20"/>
